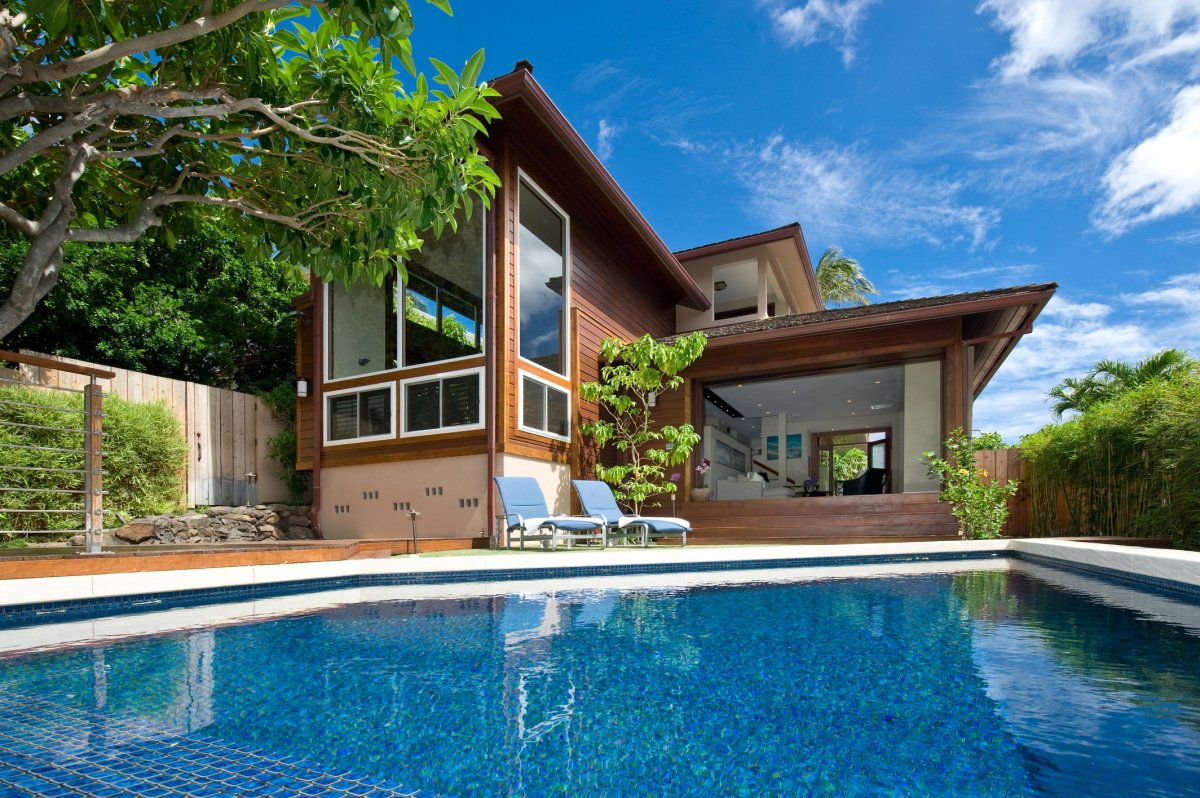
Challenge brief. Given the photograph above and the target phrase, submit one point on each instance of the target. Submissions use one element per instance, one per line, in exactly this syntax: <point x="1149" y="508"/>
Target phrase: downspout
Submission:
<point x="318" y="402"/>
<point x="489" y="371"/>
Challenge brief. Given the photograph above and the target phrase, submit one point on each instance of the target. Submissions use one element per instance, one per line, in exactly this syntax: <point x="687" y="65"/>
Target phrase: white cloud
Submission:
<point x="1160" y="177"/>
<point x="1075" y="95"/>
<point x="843" y="194"/>
<point x="1070" y="337"/>
<point x="1067" y="340"/>
<point x="833" y="21"/>
<point x="605" y="137"/>
<point x="1056" y="33"/>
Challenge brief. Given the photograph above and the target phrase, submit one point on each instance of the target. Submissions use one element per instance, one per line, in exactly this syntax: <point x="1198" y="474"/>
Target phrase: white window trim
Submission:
<point x="521" y="375"/>
<point x="327" y="395"/>
<point x="523" y="176"/>
<point x="327" y="349"/>
<point x="438" y="377"/>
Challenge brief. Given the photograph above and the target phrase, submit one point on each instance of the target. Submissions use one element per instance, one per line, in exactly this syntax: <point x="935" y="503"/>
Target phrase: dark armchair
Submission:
<point x="871" y="481"/>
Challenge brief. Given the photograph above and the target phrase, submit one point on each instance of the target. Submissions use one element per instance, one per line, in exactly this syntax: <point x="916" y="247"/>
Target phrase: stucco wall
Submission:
<point x="555" y="478"/>
<point x="373" y="501"/>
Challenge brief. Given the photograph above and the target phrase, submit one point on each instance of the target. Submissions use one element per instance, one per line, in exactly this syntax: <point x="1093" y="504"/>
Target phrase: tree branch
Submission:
<point x="19" y="75"/>
<point x="27" y="227"/>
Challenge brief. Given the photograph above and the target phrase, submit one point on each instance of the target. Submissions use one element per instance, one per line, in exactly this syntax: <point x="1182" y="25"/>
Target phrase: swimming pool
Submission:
<point x="998" y="678"/>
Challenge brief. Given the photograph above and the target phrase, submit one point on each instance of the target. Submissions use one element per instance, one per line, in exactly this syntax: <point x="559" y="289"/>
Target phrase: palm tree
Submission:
<point x="1109" y="379"/>
<point x="841" y="280"/>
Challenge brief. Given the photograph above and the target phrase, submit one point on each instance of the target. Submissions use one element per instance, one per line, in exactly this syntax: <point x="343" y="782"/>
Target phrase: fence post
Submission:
<point x="93" y="444"/>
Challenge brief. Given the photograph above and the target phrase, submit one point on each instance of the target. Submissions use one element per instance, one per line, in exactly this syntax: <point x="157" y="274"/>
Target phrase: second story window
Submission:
<point x="443" y="298"/>
<point x="542" y="280"/>
<point x="362" y="329"/>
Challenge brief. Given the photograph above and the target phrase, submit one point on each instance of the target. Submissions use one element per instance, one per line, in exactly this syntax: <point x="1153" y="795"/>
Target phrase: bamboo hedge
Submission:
<point x="145" y="454"/>
<point x="1129" y="466"/>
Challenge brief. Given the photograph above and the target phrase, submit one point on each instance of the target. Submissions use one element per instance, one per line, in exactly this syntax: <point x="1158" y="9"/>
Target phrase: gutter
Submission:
<point x="882" y="319"/>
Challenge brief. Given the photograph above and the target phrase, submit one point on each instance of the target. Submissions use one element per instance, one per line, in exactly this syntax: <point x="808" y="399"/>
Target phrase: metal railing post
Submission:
<point x="93" y="466"/>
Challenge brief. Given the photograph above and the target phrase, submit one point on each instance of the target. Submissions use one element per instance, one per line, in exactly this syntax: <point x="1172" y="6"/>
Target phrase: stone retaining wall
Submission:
<point x="216" y="525"/>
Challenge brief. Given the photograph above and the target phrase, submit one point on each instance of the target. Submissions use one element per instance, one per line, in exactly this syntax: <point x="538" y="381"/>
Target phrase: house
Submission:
<point x="421" y="393"/>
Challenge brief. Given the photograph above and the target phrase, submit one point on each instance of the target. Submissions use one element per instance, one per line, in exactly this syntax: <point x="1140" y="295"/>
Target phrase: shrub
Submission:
<point x="281" y="447"/>
<point x="980" y="507"/>
<point x="145" y="458"/>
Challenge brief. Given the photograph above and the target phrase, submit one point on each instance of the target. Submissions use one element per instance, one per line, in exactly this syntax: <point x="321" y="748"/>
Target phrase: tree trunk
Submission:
<point x="39" y="273"/>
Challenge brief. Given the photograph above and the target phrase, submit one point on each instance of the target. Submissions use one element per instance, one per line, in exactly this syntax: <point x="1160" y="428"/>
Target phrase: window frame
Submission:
<point x="326" y="415"/>
<point x="521" y="375"/>
<point x="523" y="177"/>
<point x="439" y="377"/>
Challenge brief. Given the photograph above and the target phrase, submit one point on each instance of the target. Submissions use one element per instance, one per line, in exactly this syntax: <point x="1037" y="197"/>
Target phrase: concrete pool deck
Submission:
<point x="1173" y="569"/>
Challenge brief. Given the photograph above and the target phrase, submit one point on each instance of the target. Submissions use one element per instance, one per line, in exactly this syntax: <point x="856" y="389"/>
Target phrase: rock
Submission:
<point x="77" y="540"/>
<point x="136" y="532"/>
<point x="241" y="518"/>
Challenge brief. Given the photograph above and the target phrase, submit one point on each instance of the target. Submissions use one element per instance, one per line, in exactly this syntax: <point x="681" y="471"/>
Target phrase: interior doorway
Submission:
<point x="842" y="455"/>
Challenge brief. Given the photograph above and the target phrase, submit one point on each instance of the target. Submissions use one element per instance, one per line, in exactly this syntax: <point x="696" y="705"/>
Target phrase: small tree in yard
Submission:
<point x="980" y="507"/>
<point x="285" y="117"/>
<point x="636" y="373"/>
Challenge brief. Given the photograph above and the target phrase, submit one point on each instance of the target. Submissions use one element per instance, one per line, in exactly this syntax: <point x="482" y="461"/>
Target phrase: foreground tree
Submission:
<point x="635" y="374"/>
<point x="1109" y="379"/>
<point x="841" y="280"/>
<point x="197" y="311"/>
<point x="118" y="117"/>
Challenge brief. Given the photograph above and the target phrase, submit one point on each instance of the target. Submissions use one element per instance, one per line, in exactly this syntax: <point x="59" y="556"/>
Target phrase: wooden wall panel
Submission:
<point x="226" y="432"/>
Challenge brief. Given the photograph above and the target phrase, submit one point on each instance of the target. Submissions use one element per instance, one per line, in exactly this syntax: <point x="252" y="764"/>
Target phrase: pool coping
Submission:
<point x="33" y="601"/>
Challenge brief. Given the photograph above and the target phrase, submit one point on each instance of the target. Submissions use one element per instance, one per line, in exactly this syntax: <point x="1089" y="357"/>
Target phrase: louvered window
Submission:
<point x="446" y="403"/>
<point x="359" y="415"/>
<point x="545" y="408"/>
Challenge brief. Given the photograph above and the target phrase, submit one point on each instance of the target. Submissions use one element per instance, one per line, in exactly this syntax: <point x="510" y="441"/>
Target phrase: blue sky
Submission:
<point x="947" y="146"/>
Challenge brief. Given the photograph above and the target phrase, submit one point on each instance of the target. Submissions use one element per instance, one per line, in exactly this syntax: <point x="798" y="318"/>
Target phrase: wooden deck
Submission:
<point x="889" y="518"/>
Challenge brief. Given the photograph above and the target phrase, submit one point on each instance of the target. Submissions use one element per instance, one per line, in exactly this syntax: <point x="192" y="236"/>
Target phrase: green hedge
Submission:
<point x="145" y="458"/>
<point x="1129" y="466"/>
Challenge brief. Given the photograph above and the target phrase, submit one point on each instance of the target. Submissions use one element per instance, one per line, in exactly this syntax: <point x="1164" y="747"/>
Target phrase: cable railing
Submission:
<point x="25" y="473"/>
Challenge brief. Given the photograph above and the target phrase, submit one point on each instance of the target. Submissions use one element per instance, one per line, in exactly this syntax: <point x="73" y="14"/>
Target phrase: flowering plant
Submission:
<point x="703" y="468"/>
<point x="979" y="503"/>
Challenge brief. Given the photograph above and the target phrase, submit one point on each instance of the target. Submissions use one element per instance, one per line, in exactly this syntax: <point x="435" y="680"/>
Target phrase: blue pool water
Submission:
<point x="980" y="683"/>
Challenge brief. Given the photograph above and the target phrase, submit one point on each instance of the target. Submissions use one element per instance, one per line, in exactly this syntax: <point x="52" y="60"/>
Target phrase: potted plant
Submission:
<point x="702" y="493"/>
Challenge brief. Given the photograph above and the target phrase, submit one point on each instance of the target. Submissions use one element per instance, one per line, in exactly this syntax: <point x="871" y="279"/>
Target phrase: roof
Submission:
<point x="520" y="85"/>
<point x="886" y="312"/>
<point x="783" y="231"/>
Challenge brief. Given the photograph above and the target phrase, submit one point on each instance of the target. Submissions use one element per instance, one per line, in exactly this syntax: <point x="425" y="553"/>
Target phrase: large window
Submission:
<point x="545" y="408"/>
<point x="443" y="299"/>
<point x="359" y="415"/>
<point x="542" y="277"/>
<point x="445" y="402"/>
<point x="443" y="310"/>
<point x="362" y="329"/>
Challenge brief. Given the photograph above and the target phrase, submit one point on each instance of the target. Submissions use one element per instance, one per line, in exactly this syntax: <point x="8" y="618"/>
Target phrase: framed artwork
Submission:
<point x="793" y="446"/>
<point x="794" y="450"/>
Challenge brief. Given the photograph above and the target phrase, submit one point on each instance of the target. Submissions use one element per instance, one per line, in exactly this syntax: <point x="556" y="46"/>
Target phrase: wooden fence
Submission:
<point x="226" y="432"/>
<point x="1002" y="465"/>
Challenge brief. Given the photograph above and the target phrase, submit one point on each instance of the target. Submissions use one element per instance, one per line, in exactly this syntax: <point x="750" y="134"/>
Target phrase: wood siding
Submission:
<point x="850" y="519"/>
